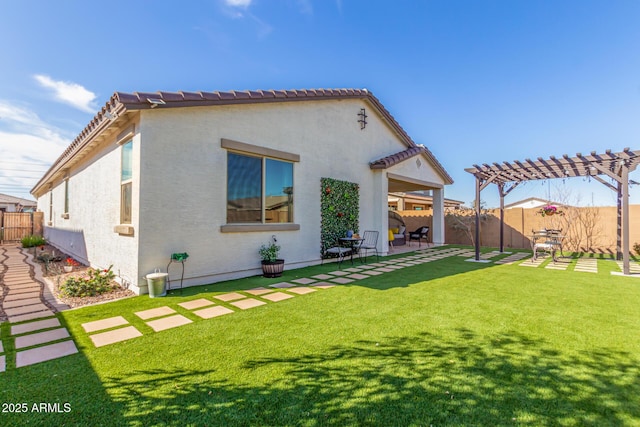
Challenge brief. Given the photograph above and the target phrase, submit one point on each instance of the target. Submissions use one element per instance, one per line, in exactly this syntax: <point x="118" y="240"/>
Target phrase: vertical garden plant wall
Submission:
<point x="340" y="204"/>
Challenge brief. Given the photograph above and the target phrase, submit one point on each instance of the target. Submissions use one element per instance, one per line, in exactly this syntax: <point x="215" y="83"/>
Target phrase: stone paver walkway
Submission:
<point x="25" y="302"/>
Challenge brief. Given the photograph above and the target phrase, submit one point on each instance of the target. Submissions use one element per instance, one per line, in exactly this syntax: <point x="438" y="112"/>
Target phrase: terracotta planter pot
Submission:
<point x="273" y="269"/>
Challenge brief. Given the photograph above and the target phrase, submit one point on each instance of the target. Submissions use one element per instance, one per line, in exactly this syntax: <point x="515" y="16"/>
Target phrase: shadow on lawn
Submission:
<point x="461" y="380"/>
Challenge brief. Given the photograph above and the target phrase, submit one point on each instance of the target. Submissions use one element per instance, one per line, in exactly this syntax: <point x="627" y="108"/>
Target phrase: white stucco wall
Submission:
<point x="94" y="209"/>
<point x="179" y="187"/>
<point x="183" y="180"/>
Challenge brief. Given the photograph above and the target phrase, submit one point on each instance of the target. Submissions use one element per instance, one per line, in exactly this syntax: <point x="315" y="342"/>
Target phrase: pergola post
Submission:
<point x="619" y="223"/>
<point x="501" y="191"/>
<point x="477" y="207"/>
<point x="625" y="220"/>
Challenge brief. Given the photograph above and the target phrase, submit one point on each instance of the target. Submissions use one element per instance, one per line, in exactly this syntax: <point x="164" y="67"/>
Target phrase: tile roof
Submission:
<point x="401" y="156"/>
<point x="121" y="102"/>
<point x="5" y="198"/>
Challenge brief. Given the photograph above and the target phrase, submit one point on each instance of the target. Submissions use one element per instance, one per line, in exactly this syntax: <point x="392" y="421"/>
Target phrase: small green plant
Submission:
<point x="31" y="241"/>
<point x="636" y="248"/>
<point x="97" y="282"/>
<point x="269" y="252"/>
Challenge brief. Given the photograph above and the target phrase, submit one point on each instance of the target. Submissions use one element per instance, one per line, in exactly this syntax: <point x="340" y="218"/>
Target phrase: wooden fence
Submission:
<point x="16" y="225"/>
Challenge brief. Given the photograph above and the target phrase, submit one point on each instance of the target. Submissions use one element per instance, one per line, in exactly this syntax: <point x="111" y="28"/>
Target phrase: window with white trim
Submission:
<point x="126" y="177"/>
<point x="66" y="196"/>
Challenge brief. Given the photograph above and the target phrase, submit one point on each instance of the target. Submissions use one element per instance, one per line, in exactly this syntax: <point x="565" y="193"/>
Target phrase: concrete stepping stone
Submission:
<point x="586" y="265"/>
<point x="556" y="266"/>
<point x="634" y="267"/>
<point x="342" y="280"/>
<point x="384" y="270"/>
<point x="196" y="303"/>
<point x="339" y="273"/>
<point x="211" y="312"/>
<point x="358" y="276"/>
<point x="230" y="296"/>
<point x="322" y="277"/>
<point x="25" y="309"/>
<point x="2" y="364"/>
<point x="366" y="267"/>
<point x="322" y="285"/>
<point x="373" y="272"/>
<point x="302" y="290"/>
<point x="247" y="303"/>
<point x="99" y="325"/>
<point x="155" y="312"/>
<point x="169" y="322"/>
<point x="22" y="285"/>
<point x="377" y="264"/>
<point x="304" y="281"/>
<point x="1" y="350"/>
<point x="30" y="316"/>
<point x="42" y="354"/>
<point x="114" y="336"/>
<point x="277" y="296"/>
<point x="532" y="263"/>
<point x="353" y="269"/>
<point x="513" y="258"/>
<point x="34" y="326"/>
<point x="18" y="303"/>
<point x="26" y="295"/>
<point x="282" y="285"/>
<point x="259" y="291"/>
<point x="41" y="337"/>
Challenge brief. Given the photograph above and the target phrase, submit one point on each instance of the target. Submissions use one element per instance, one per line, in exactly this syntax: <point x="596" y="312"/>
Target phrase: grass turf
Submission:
<point x="442" y="343"/>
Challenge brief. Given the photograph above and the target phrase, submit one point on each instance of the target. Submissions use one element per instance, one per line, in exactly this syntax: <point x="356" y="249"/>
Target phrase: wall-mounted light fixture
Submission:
<point x="155" y="102"/>
<point x="362" y="118"/>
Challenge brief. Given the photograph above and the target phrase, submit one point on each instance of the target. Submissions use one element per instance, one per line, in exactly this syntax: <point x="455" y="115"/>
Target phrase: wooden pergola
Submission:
<point x="508" y="176"/>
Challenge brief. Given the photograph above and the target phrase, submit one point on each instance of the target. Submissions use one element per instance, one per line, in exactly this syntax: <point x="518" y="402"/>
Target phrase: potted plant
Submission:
<point x="68" y="268"/>
<point x="271" y="265"/>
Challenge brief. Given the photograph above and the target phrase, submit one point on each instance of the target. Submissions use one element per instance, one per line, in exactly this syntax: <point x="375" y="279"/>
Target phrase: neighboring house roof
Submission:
<point x="120" y="103"/>
<point x="533" y="202"/>
<point x="12" y="200"/>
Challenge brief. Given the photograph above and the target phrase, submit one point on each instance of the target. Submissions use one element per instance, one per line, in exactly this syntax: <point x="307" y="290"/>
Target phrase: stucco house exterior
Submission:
<point x="217" y="174"/>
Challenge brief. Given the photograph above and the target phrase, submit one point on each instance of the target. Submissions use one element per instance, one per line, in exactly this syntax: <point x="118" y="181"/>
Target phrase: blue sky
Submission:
<point x="474" y="81"/>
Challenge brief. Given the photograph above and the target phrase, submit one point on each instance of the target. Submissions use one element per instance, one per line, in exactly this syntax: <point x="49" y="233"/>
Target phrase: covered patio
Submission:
<point x="615" y="166"/>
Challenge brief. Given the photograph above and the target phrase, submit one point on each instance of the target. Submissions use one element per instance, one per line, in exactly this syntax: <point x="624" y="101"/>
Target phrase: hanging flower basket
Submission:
<point x="550" y="210"/>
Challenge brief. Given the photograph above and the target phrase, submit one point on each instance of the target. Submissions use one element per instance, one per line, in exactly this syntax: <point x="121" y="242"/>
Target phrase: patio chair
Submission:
<point x="336" y="251"/>
<point x="370" y="243"/>
<point x="419" y="234"/>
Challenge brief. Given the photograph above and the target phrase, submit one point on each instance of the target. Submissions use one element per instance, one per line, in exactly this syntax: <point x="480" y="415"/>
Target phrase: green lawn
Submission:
<point x="447" y="342"/>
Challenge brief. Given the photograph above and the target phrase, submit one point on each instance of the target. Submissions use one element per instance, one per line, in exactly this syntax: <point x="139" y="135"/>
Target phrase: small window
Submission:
<point x="259" y="189"/>
<point x="66" y="196"/>
<point x="126" y="174"/>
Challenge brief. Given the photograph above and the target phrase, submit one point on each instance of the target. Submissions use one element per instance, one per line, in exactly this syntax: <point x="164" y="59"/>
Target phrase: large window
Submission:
<point x="125" y="183"/>
<point x="259" y="189"/>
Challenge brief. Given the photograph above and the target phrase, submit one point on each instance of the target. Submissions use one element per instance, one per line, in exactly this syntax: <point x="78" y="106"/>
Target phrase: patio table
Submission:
<point x="352" y="243"/>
